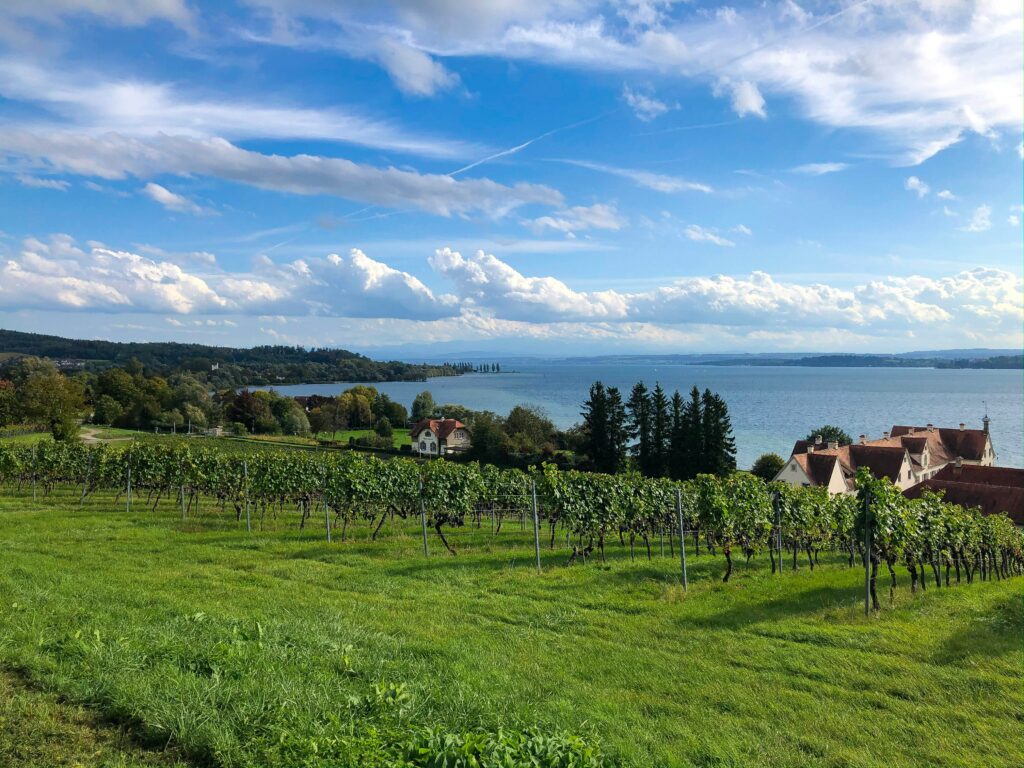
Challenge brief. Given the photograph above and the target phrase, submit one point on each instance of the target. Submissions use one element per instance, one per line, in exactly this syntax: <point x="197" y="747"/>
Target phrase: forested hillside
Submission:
<point x="224" y="366"/>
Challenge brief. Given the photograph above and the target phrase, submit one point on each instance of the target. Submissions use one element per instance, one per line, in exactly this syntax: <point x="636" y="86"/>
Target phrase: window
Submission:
<point x="426" y="433"/>
<point x="792" y="467"/>
<point x="423" y="446"/>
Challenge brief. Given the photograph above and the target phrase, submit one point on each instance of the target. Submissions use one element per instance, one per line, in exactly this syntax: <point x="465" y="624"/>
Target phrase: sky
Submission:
<point x="519" y="176"/>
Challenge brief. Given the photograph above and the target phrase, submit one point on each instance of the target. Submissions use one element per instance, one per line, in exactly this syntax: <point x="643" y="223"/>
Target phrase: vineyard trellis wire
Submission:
<point x="734" y="515"/>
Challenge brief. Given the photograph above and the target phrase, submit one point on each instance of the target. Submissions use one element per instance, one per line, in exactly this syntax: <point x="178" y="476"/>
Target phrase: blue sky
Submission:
<point x="550" y="176"/>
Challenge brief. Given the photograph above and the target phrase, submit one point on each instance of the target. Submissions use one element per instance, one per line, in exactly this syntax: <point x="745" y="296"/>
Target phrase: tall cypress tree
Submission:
<point x="639" y="409"/>
<point x="660" y="431"/>
<point x="719" y="457"/>
<point x="595" y="422"/>
<point x="677" y="439"/>
<point x="692" y="436"/>
<point x="617" y="434"/>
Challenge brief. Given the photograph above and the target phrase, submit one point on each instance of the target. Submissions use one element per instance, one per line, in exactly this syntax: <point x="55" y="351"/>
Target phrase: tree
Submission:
<point x="829" y="433"/>
<point x="661" y="427"/>
<point x="423" y="406"/>
<point x="51" y="398"/>
<point x="528" y="428"/>
<point x="719" y="456"/>
<point x="767" y="466"/>
<point x="691" y="436"/>
<point x="383" y="427"/>
<point x="677" y="438"/>
<point x="10" y="408"/>
<point x="491" y="444"/>
<point x="638" y="407"/>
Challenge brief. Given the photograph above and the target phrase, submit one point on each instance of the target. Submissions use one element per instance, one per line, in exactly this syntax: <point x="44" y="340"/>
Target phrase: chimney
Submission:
<point x="833" y="445"/>
<point x="885" y="435"/>
<point x="910" y="430"/>
<point x="962" y="426"/>
<point x="817" y="439"/>
<point x="985" y="423"/>
<point x="931" y="427"/>
<point x="959" y="462"/>
<point x="810" y="449"/>
<point x="863" y="439"/>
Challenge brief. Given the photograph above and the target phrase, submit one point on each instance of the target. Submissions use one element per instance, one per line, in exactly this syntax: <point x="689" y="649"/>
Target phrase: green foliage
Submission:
<point x="767" y="466"/>
<point x="531" y="748"/>
<point x="829" y="433"/>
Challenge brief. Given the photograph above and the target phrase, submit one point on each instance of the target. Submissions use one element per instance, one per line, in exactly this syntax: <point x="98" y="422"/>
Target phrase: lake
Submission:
<point x="770" y="406"/>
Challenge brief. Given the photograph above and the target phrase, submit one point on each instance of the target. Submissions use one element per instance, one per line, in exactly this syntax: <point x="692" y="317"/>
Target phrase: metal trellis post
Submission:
<point x="423" y="523"/>
<point x="536" y="523"/>
<point x="682" y="538"/>
<point x="867" y="552"/>
<point x="248" y="519"/>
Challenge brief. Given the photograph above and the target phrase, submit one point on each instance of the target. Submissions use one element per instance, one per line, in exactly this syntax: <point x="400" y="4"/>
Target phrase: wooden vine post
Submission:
<point x="682" y="538"/>
<point x="536" y="523"/>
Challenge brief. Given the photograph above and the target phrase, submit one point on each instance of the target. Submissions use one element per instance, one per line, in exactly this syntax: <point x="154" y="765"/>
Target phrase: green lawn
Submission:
<point x="400" y="436"/>
<point x="277" y="648"/>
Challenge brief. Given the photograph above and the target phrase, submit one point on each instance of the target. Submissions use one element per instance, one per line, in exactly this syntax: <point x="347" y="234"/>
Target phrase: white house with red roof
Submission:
<point x="906" y="455"/>
<point x="438" y="437"/>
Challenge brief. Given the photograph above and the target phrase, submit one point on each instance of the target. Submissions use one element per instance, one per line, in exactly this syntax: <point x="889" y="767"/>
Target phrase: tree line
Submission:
<point x="660" y="436"/>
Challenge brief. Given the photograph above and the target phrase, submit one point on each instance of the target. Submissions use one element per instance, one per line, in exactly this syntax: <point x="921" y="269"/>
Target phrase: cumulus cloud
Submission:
<point x="819" y="169"/>
<point x="581" y="217"/>
<point x="978" y="298"/>
<point x="39" y="183"/>
<point x="644" y="105"/>
<point x="113" y="156"/>
<point x="414" y="72"/>
<point x="945" y="195"/>
<point x="657" y="181"/>
<point x="699" y="234"/>
<point x="173" y="201"/>
<point x="745" y="96"/>
<point x="981" y="220"/>
<point x="915" y="185"/>
<point x="60" y="275"/>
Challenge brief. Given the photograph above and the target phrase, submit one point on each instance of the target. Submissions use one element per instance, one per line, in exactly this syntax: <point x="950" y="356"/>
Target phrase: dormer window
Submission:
<point x="426" y="433"/>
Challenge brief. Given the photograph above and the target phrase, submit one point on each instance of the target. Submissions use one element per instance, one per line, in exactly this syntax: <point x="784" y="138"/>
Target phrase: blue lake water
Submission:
<point x="770" y="406"/>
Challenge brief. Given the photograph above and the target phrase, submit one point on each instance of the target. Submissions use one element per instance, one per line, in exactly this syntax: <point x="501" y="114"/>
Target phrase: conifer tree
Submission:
<point x="661" y="426"/>
<point x="639" y="410"/>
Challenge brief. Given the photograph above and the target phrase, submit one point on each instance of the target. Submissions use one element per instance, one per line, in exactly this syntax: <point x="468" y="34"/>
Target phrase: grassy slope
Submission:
<point x="234" y="645"/>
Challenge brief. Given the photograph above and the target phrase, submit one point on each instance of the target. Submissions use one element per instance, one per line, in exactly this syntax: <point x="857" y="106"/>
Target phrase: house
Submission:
<point x="991" y="489"/>
<point x="437" y="437"/>
<point x="906" y="455"/>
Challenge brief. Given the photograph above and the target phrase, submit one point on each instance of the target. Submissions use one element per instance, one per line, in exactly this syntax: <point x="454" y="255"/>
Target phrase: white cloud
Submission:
<point x="819" y="169"/>
<point x="1013" y="220"/>
<point x="413" y="71"/>
<point x="129" y="13"/>
<point x="699" y="234"/>
<point x="34" y="181"/>
<point x="645" y="106"/>
<point x="918" y="74"/>
<point x="979" y="298"/>
<point x="656" y="181"/>
<point x="914" y="184"/>
<point x="946" y="195"/>
<point x="113" y="156"/>
<point x="581" y="217"/>
<point x="742" y="229"/>
<point x="746" y="98"/>
<point x="93" y="105"/>
<point x="59" y="275"/>
<point x="981" y="220"/>
<point x="172" y="201"/>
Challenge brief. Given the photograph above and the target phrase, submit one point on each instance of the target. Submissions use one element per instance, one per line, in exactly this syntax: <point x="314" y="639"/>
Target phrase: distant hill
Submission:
<point x="222" y="366"/>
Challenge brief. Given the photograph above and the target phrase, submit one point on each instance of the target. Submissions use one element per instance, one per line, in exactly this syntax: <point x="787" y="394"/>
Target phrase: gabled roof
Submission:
<point x="976" y="473"/>
<point x="968" y="443"/>
<point x="991" y="499"/>
<point x="441" y="427"/>
<point x="818" y="466"/>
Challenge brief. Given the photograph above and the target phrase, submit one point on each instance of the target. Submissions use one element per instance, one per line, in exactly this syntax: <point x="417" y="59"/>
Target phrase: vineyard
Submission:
<point x="230" y="605"/>
<point x="736" y="516"/>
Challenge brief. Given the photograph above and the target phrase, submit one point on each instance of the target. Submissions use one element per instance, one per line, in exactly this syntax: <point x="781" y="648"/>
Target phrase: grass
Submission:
<point x="400" y="435"/>
<point x="276" y="648"/>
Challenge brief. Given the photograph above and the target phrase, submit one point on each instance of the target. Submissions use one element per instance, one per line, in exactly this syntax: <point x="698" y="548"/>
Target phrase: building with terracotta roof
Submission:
<point x="991" y="489"/>
<point x="437" y="437"/>
<point x="906" y="455"/>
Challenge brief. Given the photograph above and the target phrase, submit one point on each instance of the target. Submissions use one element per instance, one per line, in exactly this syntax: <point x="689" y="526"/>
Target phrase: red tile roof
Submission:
<point x="991" y="499"/>
<point x="441" y="427"/>
<point x="975" y="473"/>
